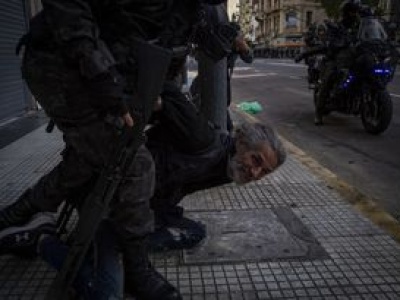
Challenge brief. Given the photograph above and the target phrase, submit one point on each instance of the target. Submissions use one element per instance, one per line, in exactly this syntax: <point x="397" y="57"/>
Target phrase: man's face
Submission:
<point x="251" y="164"/>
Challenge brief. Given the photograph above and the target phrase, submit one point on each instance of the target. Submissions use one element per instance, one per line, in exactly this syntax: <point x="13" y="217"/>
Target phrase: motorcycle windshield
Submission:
<point x="371" y="30"/>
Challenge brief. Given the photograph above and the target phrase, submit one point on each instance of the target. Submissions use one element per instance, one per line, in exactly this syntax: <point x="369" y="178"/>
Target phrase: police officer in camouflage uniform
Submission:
<point x="340" y="54"/>
<point x="313" y="38"/>
<point x="338" y="50"/>
<point x="79" y="63"/>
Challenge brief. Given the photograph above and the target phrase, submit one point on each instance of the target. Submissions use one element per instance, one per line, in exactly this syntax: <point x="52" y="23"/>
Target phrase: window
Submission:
<point x="291" y="19"/>
<point x="309" y="18"/>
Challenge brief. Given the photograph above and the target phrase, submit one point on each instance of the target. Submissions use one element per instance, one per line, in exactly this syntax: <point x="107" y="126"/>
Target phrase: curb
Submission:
<point x="367" y="206"/>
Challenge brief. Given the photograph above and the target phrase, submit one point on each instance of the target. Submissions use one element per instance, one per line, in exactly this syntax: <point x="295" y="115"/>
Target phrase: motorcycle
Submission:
<point x="361" y="90"/>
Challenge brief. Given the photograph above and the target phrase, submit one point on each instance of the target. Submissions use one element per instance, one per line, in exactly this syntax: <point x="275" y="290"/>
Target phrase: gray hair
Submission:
<point x="253" y="134"/>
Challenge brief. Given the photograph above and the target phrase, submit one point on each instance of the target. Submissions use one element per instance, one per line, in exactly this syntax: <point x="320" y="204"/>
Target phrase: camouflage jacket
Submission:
<point x="76" y="27"/>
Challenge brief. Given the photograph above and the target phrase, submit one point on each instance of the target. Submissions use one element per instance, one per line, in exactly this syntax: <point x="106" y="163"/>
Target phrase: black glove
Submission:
<point x="95" y="62"/>
<point x="105" y="84"/>
<point x="107" y="92"/>
<point x="76" y="50"/>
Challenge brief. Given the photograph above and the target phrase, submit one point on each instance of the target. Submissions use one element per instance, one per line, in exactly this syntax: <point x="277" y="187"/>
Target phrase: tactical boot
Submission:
<point x="318" y="121"/>
<point x="19" y="212"/>
<point x="141" y="279"/>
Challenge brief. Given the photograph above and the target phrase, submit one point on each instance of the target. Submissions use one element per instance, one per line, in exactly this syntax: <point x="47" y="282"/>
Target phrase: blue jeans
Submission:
<point x="100" y="278"/>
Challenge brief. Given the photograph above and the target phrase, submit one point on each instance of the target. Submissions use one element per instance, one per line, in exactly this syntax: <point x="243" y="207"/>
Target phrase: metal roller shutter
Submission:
<point x="13" y="99"/>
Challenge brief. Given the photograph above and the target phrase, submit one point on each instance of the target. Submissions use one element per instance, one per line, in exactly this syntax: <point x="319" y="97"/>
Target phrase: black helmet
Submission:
<point x="350" y="12"/>
<point x="350" y="7"/>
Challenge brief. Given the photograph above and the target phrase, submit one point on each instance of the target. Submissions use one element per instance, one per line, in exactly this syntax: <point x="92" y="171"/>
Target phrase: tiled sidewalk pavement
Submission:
<point x="286" y="237"/>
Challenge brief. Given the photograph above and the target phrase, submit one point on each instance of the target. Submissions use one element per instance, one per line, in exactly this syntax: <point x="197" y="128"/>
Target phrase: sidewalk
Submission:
<point x="288" y="236"/>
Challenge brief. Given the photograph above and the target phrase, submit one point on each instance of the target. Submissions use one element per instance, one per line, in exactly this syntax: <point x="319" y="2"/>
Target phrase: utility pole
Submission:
<point x="213" y="89"/>
<point x="213" y="81"/>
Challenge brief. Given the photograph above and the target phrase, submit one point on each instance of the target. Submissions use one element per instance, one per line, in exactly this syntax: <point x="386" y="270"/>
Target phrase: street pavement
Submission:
<point x="287" y="236"/>
<point x="369" y="163"/>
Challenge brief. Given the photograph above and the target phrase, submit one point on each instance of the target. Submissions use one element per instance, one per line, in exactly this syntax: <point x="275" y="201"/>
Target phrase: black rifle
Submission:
<point x="152" y="66"/>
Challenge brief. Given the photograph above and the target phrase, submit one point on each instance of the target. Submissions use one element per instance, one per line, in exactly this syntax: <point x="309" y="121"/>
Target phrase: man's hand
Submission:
<point x="158" y="104"/>
<point x="128" y="120"/>
<point x="240" y="44"/>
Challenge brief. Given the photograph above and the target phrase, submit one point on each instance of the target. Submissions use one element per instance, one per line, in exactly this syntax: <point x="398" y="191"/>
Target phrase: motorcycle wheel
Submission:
<point x="376" y="112"/>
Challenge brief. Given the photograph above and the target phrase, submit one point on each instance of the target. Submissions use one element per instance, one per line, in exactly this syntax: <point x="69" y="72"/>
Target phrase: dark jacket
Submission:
<point x="77" y="26"/>
<point x="96" y="42"/>
<point x="180" y="124"/>
<point x="189" y="153"/>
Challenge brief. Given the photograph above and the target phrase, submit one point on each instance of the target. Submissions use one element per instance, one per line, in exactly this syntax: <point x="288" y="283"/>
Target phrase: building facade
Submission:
<point x="246" y="18"/>
<point x="278" y="23"/>
<point x="233" y="9"/>
<point x="282" y="23"/>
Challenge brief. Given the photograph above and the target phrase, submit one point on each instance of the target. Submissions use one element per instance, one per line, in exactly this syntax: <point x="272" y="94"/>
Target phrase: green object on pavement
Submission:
<point x="250" y="107"/>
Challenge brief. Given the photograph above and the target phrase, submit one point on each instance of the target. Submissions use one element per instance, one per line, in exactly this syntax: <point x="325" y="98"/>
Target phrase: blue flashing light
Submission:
<point x="383" y="71"/>
<point x="348" y="80"/>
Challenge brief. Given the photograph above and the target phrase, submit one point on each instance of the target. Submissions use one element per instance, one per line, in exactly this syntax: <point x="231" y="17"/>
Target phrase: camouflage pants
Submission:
<point x="344" y="60"/>
<point x="89" y="142"/>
